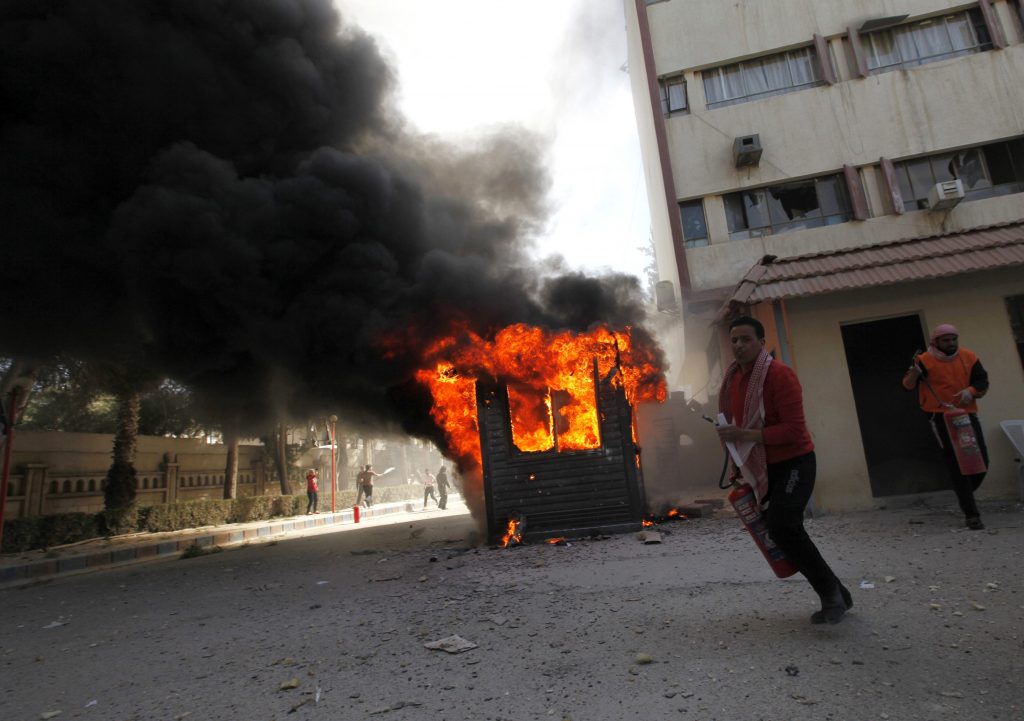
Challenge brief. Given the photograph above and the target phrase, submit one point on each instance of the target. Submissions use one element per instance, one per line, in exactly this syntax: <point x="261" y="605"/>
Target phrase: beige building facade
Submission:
<point x="852" y="173"/>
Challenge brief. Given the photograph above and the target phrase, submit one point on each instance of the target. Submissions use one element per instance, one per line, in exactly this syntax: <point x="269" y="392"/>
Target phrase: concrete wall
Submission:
<point x="974" y="303"/>
<point x="55" y="472"/>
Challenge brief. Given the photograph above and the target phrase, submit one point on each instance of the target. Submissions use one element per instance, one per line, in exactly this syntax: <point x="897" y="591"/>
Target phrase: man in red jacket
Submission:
<point x="763" y="402"/>
<point x="949" y="377"/>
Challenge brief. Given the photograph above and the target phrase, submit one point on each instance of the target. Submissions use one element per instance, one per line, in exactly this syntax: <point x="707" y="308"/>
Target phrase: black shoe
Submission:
<point x="833" y="606"/>
<point x="974" y="523"/>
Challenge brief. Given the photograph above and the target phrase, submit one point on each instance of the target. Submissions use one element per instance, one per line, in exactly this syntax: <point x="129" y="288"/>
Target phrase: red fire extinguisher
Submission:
<point x="744" y="501"/>
<point x="964" y="442"/>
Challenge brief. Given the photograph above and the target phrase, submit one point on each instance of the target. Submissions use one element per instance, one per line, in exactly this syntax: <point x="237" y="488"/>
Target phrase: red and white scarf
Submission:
<point x="755" y="468"/>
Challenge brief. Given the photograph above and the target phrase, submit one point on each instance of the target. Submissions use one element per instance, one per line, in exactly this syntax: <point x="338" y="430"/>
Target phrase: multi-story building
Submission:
<point x="851" y="172"/>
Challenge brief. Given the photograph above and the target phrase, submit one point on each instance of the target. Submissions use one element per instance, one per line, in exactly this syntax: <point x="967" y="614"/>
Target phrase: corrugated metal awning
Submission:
<point x="866" y="266"/>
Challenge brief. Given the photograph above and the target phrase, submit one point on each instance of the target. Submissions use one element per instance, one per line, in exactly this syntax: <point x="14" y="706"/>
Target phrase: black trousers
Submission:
<point x="790" y="484"/>
<point x="311" y="503"/>
<point x="428" y="492"/>
<point x="963" y="486"/>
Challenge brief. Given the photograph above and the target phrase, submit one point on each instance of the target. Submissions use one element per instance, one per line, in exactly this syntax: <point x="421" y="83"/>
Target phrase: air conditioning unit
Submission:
<point x="665" y="295"/>
<point x="945" y="195"/>
<point x="746" y="150"/>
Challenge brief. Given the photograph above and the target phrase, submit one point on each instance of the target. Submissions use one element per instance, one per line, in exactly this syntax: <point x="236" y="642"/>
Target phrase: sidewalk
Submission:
<point x="95" y="553"/>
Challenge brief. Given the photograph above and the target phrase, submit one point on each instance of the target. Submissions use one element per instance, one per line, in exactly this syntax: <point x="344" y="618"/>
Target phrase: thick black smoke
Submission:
<point x="220" y="191"/>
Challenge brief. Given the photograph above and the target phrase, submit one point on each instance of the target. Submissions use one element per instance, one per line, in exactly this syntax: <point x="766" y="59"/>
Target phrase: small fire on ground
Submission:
<point x="671" y="514"/>
<point x="514" y="533"/>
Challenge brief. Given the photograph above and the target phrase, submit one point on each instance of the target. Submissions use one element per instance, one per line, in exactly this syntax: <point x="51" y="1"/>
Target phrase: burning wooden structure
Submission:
<point x="561" y="492"/>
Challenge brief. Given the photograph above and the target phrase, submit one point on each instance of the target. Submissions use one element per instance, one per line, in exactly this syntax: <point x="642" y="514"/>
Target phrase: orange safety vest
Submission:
<point x="946" y="378"/>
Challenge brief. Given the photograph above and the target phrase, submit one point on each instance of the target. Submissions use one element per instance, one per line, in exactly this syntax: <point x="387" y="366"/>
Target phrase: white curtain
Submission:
<point x="961" y="33"/>
<point x="932" y="40"/>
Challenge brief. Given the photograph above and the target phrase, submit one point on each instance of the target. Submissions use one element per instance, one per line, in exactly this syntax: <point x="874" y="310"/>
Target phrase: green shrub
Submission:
<point x="24" y="534"/>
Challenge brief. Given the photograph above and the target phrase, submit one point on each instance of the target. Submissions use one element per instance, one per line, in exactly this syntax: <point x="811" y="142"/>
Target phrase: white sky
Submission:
<point x="553" y="66"/>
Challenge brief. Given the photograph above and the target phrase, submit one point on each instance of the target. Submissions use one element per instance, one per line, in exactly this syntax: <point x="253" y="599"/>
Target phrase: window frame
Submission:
<point x="1014" y="154"/>
<point x="665" y="86"/>
<point x="746" y="70"/>
<point x="981" y="36"/>
<point x="739" y="204"/>
<point x="694" y="241"/>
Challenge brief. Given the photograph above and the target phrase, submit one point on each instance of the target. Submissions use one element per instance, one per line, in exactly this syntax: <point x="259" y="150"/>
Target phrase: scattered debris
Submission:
<point x="951" y="694"/>
<point x="890" y="579"/>
<point x="395" y="707"/>
<point x="649" y="537"/>
<point x="49" y="714"/>
<point x="289" y="684"/>
<point x="57" y="623"/>
<point x="866" y="585"/>
<point x="792" y="671"/>
<point x="450" y="644"/>
<point x="381" y="579"/>
<point x="643" y="659"/>
<point x="322" y="583"/>
<point x="977" y="606"/>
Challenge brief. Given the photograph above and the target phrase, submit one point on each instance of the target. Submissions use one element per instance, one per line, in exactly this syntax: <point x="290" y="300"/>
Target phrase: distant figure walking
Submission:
<point x="442" y="488"/>
<point x="311" y="491"/>
<point x="949" y="377"/>
<point x="428" y="487"/>
<point x="364" y="482"/>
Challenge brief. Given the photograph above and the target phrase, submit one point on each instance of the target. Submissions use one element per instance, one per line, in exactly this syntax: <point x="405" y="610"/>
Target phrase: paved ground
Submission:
<point x="560" y="631"/>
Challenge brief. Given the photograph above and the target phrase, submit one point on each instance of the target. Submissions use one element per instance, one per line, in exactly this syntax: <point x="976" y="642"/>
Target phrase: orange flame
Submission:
<point x="514" y="533"/>
<point x="556" y="541"/>
<point x="550" y="382"/>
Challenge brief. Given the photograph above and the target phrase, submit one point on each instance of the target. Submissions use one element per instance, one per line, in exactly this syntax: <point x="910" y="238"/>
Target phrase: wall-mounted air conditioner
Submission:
<point x="746" y="150"/>
<point x="945" y="195"/>
<point x="665" y="296"/>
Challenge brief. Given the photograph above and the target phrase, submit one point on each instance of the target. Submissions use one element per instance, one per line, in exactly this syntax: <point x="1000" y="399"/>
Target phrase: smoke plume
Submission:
<point x="222" y="192"/>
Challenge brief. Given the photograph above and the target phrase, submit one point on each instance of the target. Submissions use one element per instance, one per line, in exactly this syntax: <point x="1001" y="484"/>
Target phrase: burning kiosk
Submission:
<point x="558" y="492"/>
<point x="541" y="423"/>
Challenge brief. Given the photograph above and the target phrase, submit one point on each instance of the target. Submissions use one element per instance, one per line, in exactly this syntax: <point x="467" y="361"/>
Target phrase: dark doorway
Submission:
<point x="900" y="450"/>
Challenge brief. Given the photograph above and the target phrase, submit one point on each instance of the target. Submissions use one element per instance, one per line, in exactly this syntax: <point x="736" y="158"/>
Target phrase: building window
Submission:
<point x="926" y="41"/>
<point x="787" y="208"/>
<point x="673" y="96"/>
<point x="759" y="78"/>
<point x="695" y="227"/>
<point x="985" y="171"/>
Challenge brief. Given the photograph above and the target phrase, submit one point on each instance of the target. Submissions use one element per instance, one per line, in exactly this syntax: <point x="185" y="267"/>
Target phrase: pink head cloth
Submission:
<point x="944" y="329"/>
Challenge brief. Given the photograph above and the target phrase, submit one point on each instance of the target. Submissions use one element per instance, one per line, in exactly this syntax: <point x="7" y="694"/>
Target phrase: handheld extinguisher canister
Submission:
<point x="744" y="501"/>
<point x="964" y="441"/>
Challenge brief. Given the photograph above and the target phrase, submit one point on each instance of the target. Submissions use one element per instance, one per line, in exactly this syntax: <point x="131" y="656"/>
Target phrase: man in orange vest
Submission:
<point x="946" y="377"/>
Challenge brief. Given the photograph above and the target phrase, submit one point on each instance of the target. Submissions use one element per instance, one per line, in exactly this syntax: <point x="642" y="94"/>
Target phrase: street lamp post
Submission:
<point x="332" y="426"/>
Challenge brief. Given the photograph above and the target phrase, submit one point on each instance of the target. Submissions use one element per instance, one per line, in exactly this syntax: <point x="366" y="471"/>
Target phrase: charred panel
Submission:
<point x="561" y="492"/>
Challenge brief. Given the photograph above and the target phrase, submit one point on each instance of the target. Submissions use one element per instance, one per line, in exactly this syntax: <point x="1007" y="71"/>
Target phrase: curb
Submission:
<point x="150" y="551"/>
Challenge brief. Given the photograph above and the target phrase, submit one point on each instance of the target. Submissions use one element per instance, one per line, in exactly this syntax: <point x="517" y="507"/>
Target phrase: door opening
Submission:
<point x="900" y="450"/>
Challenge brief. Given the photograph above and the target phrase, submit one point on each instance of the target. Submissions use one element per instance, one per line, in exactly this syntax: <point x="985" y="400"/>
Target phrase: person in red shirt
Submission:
<point x="763" y="402"/>
<point x="947" y="376"/>
<point x="311" y="491"/>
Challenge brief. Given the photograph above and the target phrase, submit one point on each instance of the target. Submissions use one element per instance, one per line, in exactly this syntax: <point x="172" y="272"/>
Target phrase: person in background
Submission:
<point x="442" y="488"/>
<point x="763" y="402"/>
<point x="428" y="487"/>
<point x="311" y="491"/>
<point x="947" y="376"/>
<point x="364" y="483"/>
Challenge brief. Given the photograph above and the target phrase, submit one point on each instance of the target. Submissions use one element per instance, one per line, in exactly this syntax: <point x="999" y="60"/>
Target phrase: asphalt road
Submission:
<point x="694" y="627"/>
